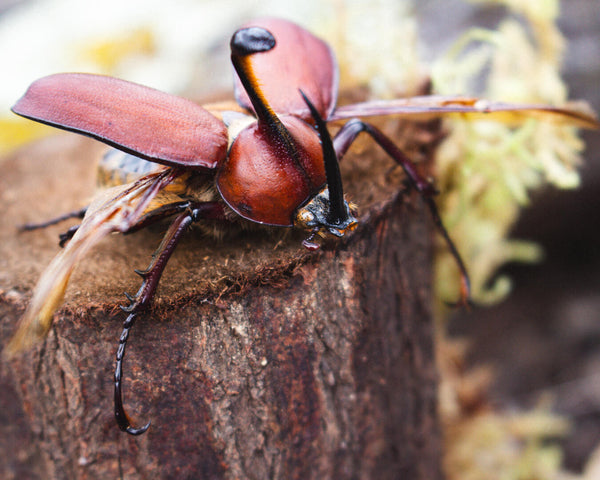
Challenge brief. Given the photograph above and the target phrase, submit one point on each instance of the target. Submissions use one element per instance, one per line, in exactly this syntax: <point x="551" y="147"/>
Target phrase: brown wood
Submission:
<point x="259" y="360"/>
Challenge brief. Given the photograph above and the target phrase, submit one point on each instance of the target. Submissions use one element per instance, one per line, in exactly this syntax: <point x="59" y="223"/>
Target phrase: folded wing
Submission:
<point x="115" y="211"/>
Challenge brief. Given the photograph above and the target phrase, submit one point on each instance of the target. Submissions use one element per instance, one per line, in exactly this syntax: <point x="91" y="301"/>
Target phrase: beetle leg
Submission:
<point x="159" y="214"/>
<point x="53" y="221"/>
<point x="309" y="242"/>
<point x="63" y="237"/>
<point x="342" y="142"/>
<point x="151" y="276"/>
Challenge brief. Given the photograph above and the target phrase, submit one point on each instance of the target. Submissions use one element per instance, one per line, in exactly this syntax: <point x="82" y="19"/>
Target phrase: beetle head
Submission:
<point x="327" y="214"/>
<point x="314" y="216"/>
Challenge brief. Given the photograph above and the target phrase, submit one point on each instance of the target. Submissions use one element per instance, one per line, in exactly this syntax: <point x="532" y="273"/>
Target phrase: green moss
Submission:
<point x="487" y="170"/>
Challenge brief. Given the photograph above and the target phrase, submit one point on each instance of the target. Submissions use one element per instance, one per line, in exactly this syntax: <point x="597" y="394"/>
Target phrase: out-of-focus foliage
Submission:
<point x="487" y="170"/>
<point x="498" y="446"/>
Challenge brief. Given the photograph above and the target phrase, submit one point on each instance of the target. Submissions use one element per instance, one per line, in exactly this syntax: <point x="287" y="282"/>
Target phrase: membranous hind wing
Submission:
<point x="431" y="106"/>
<point x="116" y="210"/>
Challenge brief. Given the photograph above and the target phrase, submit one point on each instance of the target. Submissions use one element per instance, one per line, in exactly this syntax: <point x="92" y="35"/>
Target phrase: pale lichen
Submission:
<point x="498" y="446"/>
<point x="487" y="170"/>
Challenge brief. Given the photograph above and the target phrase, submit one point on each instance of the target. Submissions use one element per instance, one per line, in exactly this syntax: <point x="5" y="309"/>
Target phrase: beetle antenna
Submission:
<point x="337" y="211"/>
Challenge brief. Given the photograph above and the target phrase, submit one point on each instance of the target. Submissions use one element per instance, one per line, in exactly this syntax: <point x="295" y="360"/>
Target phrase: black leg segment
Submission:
<point x="150" y="279"/>
<point x="53" y="221"/>
<point x="346" y="136"/>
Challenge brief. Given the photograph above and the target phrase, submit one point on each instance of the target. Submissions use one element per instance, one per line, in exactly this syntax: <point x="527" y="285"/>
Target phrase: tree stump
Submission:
<point x="258" y="360"/>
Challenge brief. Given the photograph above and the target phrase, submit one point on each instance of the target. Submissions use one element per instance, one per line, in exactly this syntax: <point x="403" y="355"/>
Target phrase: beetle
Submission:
<point x="270" y="161"/>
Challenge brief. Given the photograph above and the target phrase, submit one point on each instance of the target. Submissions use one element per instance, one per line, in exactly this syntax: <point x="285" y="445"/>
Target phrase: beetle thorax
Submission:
<point x="262" y="181"/>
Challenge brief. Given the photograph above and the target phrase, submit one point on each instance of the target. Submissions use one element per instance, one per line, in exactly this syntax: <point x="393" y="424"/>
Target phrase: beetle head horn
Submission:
<point x="244" y="43"/>
<point x="338" y="213"/>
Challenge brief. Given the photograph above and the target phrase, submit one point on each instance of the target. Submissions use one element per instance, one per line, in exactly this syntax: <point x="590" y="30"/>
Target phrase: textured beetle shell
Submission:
<point x="152" y="124"/>
<point x="262" y="182"/>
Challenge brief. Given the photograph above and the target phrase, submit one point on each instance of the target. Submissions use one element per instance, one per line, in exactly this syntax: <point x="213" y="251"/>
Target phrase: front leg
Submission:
<point x="342" y="142"/>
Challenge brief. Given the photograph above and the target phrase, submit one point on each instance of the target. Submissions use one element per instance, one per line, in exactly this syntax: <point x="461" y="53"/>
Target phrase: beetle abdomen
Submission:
<point x="119" y="168"/>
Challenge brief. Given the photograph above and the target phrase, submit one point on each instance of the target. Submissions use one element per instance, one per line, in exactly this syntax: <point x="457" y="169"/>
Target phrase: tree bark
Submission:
<point x="259" y="359"/>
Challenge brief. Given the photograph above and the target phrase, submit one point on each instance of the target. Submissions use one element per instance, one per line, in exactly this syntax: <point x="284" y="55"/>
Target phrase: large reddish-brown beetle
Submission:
<point x="269" y="162"/>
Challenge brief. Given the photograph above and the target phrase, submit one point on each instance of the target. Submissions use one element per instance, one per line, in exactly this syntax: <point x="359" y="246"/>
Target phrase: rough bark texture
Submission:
<point x="259" y="359"/>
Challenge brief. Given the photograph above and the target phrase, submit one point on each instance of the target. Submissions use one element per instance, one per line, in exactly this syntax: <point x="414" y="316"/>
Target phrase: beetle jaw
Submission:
<point x="313" y="216"/>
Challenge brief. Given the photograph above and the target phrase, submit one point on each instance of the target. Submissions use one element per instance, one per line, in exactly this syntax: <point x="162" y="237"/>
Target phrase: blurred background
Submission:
<point x="543" y="340"/>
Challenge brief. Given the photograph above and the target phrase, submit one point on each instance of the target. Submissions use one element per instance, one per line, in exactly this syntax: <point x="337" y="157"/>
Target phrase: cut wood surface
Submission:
<point x="258" y="360"/>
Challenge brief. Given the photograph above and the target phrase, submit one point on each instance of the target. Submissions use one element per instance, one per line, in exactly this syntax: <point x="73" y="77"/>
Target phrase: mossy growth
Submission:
<point x="487" y="170"/>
